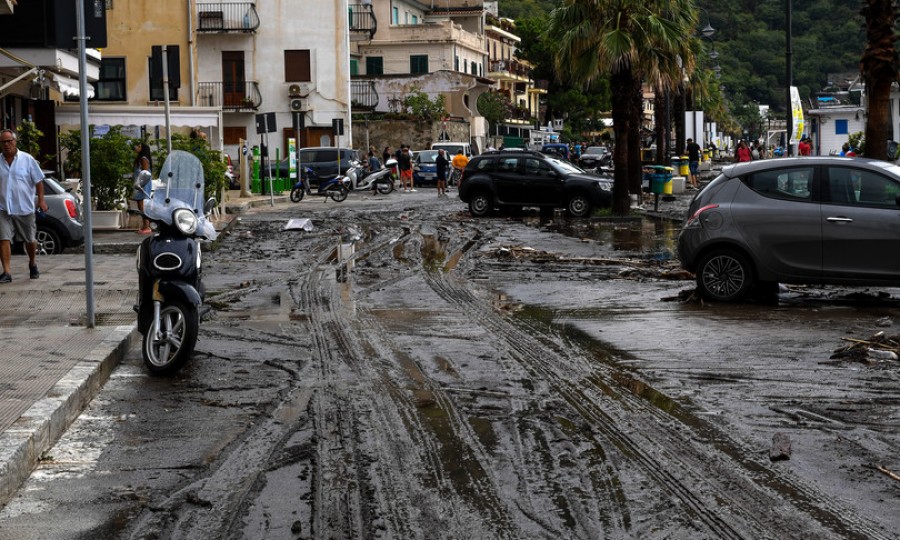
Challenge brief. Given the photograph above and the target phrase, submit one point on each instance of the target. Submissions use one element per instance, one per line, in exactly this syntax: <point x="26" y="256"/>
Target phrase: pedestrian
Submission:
<point x="459" y="163"/>
<point x="405" y="164"/>
<point x="804" y="148"/>
<point x="142" y="162"/>
<point x="386" y="155"/>
<point x="20" y="179"/>
<point x="374" y="165"/>
<point x="742" y="154"/>
<point x="442" y="164"/>
<point x="693" y="152"/>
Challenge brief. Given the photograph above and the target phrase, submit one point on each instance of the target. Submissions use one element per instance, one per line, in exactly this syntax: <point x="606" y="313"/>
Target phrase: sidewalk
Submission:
<point x="51" y="365"/>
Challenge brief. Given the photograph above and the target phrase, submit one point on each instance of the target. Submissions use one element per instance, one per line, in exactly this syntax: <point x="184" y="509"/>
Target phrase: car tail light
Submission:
<point x="71" y="208"/>
<point x="695" y="219"/>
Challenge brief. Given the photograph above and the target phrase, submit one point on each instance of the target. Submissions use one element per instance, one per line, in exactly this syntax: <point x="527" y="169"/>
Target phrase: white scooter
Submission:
<point x="360" y="181"/>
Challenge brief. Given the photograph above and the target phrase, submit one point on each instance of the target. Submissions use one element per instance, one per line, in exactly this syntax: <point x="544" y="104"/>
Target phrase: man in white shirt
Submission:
<point x="20" y="179"/>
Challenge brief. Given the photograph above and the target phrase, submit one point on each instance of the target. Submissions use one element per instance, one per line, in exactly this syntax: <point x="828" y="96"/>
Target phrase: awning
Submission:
<point x="69" y="86"/>
<point x="123" y="115"/>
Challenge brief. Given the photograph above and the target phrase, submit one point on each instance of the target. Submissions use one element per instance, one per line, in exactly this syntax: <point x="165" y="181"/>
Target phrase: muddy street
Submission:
<point x="406" y="371"/>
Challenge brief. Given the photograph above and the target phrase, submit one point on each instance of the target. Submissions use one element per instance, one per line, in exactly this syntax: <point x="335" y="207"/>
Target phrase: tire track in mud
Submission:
<point x="605" y="400"/>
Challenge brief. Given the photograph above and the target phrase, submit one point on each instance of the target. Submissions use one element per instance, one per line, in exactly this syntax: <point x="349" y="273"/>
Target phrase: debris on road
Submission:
<point x="299" y="224"/>
<point x="781" y="447"/>
<point x="877" y="348"/>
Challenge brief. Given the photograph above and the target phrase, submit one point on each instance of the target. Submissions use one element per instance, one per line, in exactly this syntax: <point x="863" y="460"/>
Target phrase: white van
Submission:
<point x="453" y="148"/>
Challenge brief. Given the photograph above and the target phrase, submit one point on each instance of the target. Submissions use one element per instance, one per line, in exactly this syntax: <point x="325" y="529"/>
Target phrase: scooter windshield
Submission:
<point x="182" y="177"/>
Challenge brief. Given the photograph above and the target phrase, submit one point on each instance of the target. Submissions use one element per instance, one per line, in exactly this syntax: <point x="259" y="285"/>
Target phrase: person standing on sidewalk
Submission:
<point x="140" y="194"/>
<point x="405" y="164"/>
<point x="20" y="178"/>
<point x="442" y="164"/>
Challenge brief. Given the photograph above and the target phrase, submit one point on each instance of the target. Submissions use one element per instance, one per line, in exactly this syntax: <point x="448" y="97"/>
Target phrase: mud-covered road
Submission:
<point x="405" y="371"/>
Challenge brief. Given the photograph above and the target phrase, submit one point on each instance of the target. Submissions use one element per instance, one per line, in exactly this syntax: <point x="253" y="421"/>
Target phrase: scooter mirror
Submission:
<point x="210" y="204"/>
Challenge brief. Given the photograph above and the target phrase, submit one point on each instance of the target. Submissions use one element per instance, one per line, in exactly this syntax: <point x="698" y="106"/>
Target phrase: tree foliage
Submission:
<point x="421" y="106"/>
<point x="494" y="107"/>
<point x="213" y="161"/>
<point x="111" y="158"/>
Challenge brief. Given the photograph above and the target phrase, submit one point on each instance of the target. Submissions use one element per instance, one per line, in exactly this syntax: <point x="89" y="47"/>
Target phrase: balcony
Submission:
<point x="363" y="95"/>
<point x="363" y="24"/>
<point x="508" y="70"/>
<point x="227" y="18"/>
<point x="234" y="96"/>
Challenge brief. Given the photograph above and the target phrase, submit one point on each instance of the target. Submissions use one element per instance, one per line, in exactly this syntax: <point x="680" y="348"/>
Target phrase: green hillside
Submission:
<point x="828" y="41"/>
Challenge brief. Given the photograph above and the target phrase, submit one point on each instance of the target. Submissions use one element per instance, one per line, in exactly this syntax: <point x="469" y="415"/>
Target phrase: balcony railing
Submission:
<point x="230" y="95"/>
<point x="227" y="17"/>
<point x="363" y="95"/>
<point x="510" y="67"/>
<point x="362" y="21"/>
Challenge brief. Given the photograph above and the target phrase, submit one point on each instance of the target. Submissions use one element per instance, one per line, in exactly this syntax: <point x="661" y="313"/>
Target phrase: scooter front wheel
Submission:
<point x="169" y="342"/>
<point x="297" y="194"/>
<point x="338" y="195"/>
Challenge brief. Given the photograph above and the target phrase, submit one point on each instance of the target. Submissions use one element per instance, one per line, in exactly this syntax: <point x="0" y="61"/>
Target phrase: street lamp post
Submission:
<point x="789" y="76"/>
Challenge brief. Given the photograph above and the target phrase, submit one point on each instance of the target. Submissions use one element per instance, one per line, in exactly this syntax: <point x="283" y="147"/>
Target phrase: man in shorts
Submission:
<point x="20" y="178"/>
<point x="693" y="152"/>
<point x="406" y="172"/>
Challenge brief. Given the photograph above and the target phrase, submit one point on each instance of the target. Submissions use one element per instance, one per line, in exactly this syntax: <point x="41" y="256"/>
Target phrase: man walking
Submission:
<point x="406" y="173"/>
<point x="20" y="179"/>
<point x="693" y="152"/>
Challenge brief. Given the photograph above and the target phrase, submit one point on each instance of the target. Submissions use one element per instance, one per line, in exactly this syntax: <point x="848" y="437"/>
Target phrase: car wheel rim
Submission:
<point x="45" y="243"/>
<point x="577" y="206"/>
<point x="724" y="276"/>
<point x="480" y="204"/>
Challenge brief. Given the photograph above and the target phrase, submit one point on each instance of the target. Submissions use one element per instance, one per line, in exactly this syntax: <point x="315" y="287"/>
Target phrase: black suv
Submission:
<point x="511" y="180"/>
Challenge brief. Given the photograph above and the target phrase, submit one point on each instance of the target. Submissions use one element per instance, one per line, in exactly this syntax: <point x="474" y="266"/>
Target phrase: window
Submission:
<point x="418" y="64"/>
<point x="155" y="69"/>
<point x="863" y="188"/>
<point x="787" y="184"/>
<point x="111" y="83"/>
<point x="374" y="65"/>
<point x="395" y="15"/>
<point x="474" y="68"/>
<point x="297" y="66"/>
<point x="354" y="67"/>
<point x="456" y="63"/>
<point x="840" y="127"/>
<point x="233" y="135"/>
<point x="415" y="19"/>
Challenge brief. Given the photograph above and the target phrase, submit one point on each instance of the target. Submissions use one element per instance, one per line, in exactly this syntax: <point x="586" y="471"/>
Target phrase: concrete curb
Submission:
<point x="36" y="431"/>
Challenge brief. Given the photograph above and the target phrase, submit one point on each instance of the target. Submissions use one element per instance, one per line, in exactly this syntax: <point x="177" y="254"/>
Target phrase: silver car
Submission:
<point x="817" y="220"/>
<point x="60" y="226"/>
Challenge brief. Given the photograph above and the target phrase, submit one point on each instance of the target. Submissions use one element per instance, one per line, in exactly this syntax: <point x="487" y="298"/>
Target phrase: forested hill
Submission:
<point x="828" y="41"/>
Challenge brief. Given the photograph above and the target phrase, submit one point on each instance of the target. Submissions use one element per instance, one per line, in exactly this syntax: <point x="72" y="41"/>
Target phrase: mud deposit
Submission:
<point x="405" y="371"/>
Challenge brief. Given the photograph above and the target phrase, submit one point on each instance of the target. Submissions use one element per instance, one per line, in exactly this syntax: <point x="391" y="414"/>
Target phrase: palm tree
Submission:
<point x="879" y="71"/>
<point x="627" y="41"/>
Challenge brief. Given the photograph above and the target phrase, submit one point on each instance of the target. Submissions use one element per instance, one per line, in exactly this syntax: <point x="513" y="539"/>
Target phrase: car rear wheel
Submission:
<point x="579" y="206"/>
<point x="48" y="241"/>
<point x="480" y="205"/>
<point x="724" y="275"/>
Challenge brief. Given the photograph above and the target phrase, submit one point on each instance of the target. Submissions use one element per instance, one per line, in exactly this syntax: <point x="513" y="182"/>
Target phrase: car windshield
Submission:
<point x="564" y="166"/>
<point x="54" y="186"/>
<point x="599" y="150"/>
<point x="427" y="156"/>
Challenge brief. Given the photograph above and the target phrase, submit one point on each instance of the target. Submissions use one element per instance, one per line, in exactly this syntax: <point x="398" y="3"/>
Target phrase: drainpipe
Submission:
<point x="190" y="41"/>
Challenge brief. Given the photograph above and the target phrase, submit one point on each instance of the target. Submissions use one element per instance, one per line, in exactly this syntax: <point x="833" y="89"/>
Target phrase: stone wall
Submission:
<point x="416" y="133"/>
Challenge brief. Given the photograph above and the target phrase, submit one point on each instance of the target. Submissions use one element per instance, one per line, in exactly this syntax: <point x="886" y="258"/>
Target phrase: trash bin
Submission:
<point x="647" y="172"/>
<point x="707" y="155"/>
<point x="676" y="163"/>
<point x="667" y="184"/>
<point x="684" y="169"/>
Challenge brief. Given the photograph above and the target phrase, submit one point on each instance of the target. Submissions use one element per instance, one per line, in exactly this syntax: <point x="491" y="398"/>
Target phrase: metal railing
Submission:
<point x="224" y="17"/>
<point x="362" y="20"/>
<point x="363" y="94"/>
<point x="230" y="95"/>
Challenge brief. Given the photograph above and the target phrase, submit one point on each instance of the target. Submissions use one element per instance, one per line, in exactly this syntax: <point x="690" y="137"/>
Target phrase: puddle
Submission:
<point x="640" y="237"/>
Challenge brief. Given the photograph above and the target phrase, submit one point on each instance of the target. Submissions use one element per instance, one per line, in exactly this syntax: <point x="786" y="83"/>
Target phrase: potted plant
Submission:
<point x="111" y="169"/>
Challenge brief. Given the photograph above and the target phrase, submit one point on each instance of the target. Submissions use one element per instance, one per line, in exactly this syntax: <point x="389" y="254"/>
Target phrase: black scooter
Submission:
<point x="170" y="293"/>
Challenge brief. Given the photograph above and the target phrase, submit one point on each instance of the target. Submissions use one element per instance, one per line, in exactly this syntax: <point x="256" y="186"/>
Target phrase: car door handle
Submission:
<point x="839" y="220"/>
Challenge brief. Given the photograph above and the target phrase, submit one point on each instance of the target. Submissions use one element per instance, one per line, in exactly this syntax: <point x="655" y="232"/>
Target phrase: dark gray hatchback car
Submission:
<point x="817" y="220"/>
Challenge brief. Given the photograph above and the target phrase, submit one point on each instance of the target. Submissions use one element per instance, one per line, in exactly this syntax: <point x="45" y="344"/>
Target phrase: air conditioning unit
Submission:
<point x="299" y="90"/>
<point x="299" y="104"/>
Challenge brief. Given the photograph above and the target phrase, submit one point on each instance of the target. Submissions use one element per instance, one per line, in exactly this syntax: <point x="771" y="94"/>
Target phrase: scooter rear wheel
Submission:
<point x="385" y="187"/>
<point x="338" y="195"/>
<point x="168" y="346"/>
<point x="297" y="194"/>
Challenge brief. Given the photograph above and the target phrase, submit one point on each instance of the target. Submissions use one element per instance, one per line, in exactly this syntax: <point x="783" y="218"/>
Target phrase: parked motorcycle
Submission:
<point x="362" y="181"/>
<point x="170" y="293"/>
<point x="336" y="188"/>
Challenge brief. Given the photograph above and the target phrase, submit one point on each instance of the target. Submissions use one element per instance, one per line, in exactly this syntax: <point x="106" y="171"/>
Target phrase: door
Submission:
<point x="543" y="185"/>
<point x="861" y="225"/>
<point x="234" y="82"/>
<point x="508" y="181"/>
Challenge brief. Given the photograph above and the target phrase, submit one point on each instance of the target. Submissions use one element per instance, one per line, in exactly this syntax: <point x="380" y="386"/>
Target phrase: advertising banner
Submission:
<point x="797" y="127"/>
<point x="292" y="158"/>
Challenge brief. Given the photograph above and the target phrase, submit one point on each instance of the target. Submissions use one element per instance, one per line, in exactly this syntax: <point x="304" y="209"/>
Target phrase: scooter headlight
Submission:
<point x="185" y="221"/>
